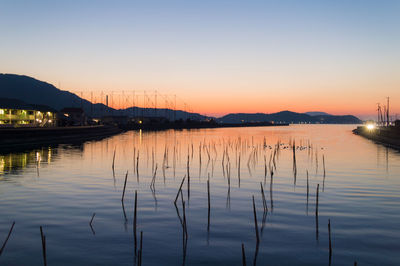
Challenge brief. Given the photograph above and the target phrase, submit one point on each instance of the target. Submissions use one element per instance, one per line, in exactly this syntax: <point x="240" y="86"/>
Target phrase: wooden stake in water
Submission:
<point x="323" y="163"/>
<point x="223" y="163"/>
<point x="124" y="212"/>
<point x="263" y="198"/>
<point x="135" y="222"/>
<point x="209" y="202"/>
<point x="141" y="249"/>
<point x="113" y="162"/>
<point x="239" y="169"/>
<point x="200" y="155"/>
<point x="8" y="236"/>
<point x="243" y="256"/>
<point x="152" y="159"/>
<point x="308" y="187"/>
<point x="153" y="180"/>
<point x="184" y="233"/>
<point x="123" y="192"/>
<point x="91" y="224"/>
<point x="134" y="158"/>
<point x="256" y="254"/>
<point x="137" y="167"/>
<point x="184" y="220"/>
<point x="91" y="220"/>
<point x="316" y="213"/>
<point x="294" y="162"/>
<point x="180" y="189"/>
<point x="316" y="202"/>
<point x="188" y="177"/>
<point x="270" y="189"/>
<point x="43" y="246"/>
<point x="255" y="221"/>
<point x="212" y="167"/>
<point x="308" y="191"/>
<point x="265" y="167"/>
<point x="330" y="242"/>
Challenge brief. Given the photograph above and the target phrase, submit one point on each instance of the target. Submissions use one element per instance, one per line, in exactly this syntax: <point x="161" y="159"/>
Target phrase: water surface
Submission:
<point x="60" y="187"/>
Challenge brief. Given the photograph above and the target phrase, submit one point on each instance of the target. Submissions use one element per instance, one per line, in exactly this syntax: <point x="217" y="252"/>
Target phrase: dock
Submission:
<point x="387" y="135"/>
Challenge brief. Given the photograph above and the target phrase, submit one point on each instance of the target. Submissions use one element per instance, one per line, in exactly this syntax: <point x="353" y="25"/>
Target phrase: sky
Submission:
<point x="220" y="56"/>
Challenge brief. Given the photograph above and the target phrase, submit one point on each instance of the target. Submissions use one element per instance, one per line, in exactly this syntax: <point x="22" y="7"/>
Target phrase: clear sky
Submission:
<point x="220" y="56"/>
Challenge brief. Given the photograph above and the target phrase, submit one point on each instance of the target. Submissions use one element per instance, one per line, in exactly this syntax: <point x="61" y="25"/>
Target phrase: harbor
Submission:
<point x="387" y="135"/>
<point x="199" y="133"/>
<point x="385" y="130"/>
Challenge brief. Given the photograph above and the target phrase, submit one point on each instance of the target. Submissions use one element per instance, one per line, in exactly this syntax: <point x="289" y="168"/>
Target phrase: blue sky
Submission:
<point x="245" y="52"/>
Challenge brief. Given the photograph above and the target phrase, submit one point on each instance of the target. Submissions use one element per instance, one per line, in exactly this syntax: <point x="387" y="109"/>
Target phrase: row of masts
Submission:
<point x="152" y="103"/>
<point x="383" y="114"/>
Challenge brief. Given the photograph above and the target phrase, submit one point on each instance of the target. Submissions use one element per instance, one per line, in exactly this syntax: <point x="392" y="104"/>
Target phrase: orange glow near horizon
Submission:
<point x="218" y="105"/>
<point x="339" y="91"/>
<point x="217" y="57"/>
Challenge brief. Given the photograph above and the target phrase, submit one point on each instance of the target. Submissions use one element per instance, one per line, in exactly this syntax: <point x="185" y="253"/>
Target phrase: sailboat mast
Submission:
<point x="387" y="112"/>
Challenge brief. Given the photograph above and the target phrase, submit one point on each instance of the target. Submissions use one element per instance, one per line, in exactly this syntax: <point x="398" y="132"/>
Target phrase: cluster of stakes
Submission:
<point x="239" y="148"/>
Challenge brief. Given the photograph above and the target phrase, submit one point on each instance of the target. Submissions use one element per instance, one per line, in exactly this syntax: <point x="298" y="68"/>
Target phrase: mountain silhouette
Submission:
<point x="289" y="117"/>
<point x="315" y="113"/>
<point x="33" y="91"/>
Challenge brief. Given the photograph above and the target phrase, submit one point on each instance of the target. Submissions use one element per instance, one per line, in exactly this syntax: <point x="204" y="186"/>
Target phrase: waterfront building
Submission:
<point x="16" y="113"/>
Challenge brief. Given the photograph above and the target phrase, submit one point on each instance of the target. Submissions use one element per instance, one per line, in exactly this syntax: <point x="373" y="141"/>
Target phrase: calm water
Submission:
<point x="61" y="187"/>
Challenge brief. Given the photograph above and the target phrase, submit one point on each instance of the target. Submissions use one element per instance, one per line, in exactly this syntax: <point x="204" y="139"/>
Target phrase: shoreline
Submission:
<point x="387" y="136"/>
<point x="195" y="125"/>
<point x="11" y="138"/>
<point x="16" y="138"/>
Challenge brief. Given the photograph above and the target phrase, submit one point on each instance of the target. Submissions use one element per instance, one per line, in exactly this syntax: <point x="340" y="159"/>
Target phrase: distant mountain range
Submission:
<point x="316" y="113"/>
<point x="290" y="117"/>
<point x="32" y="91"/>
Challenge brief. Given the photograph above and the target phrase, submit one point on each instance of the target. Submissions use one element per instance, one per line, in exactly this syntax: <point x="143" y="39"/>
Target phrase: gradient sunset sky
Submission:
<point x="341" y="57"/>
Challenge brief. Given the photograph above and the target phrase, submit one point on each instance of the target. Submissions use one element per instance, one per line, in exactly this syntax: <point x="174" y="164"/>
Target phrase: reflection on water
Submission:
<point x="14" y="163"/>
<point x="213" y="213"/>
<point x="382" y="156"/>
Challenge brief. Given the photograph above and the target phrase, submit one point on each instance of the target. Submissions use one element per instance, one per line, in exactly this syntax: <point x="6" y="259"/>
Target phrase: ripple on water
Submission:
<point x="359" y="194"/>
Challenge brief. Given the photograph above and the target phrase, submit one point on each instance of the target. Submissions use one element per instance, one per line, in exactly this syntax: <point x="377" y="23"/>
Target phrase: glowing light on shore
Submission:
<point x="370" y="126"/>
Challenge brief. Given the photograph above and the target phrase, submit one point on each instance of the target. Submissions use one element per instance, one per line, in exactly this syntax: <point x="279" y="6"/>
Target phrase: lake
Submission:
<point x="61" y="187"/>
